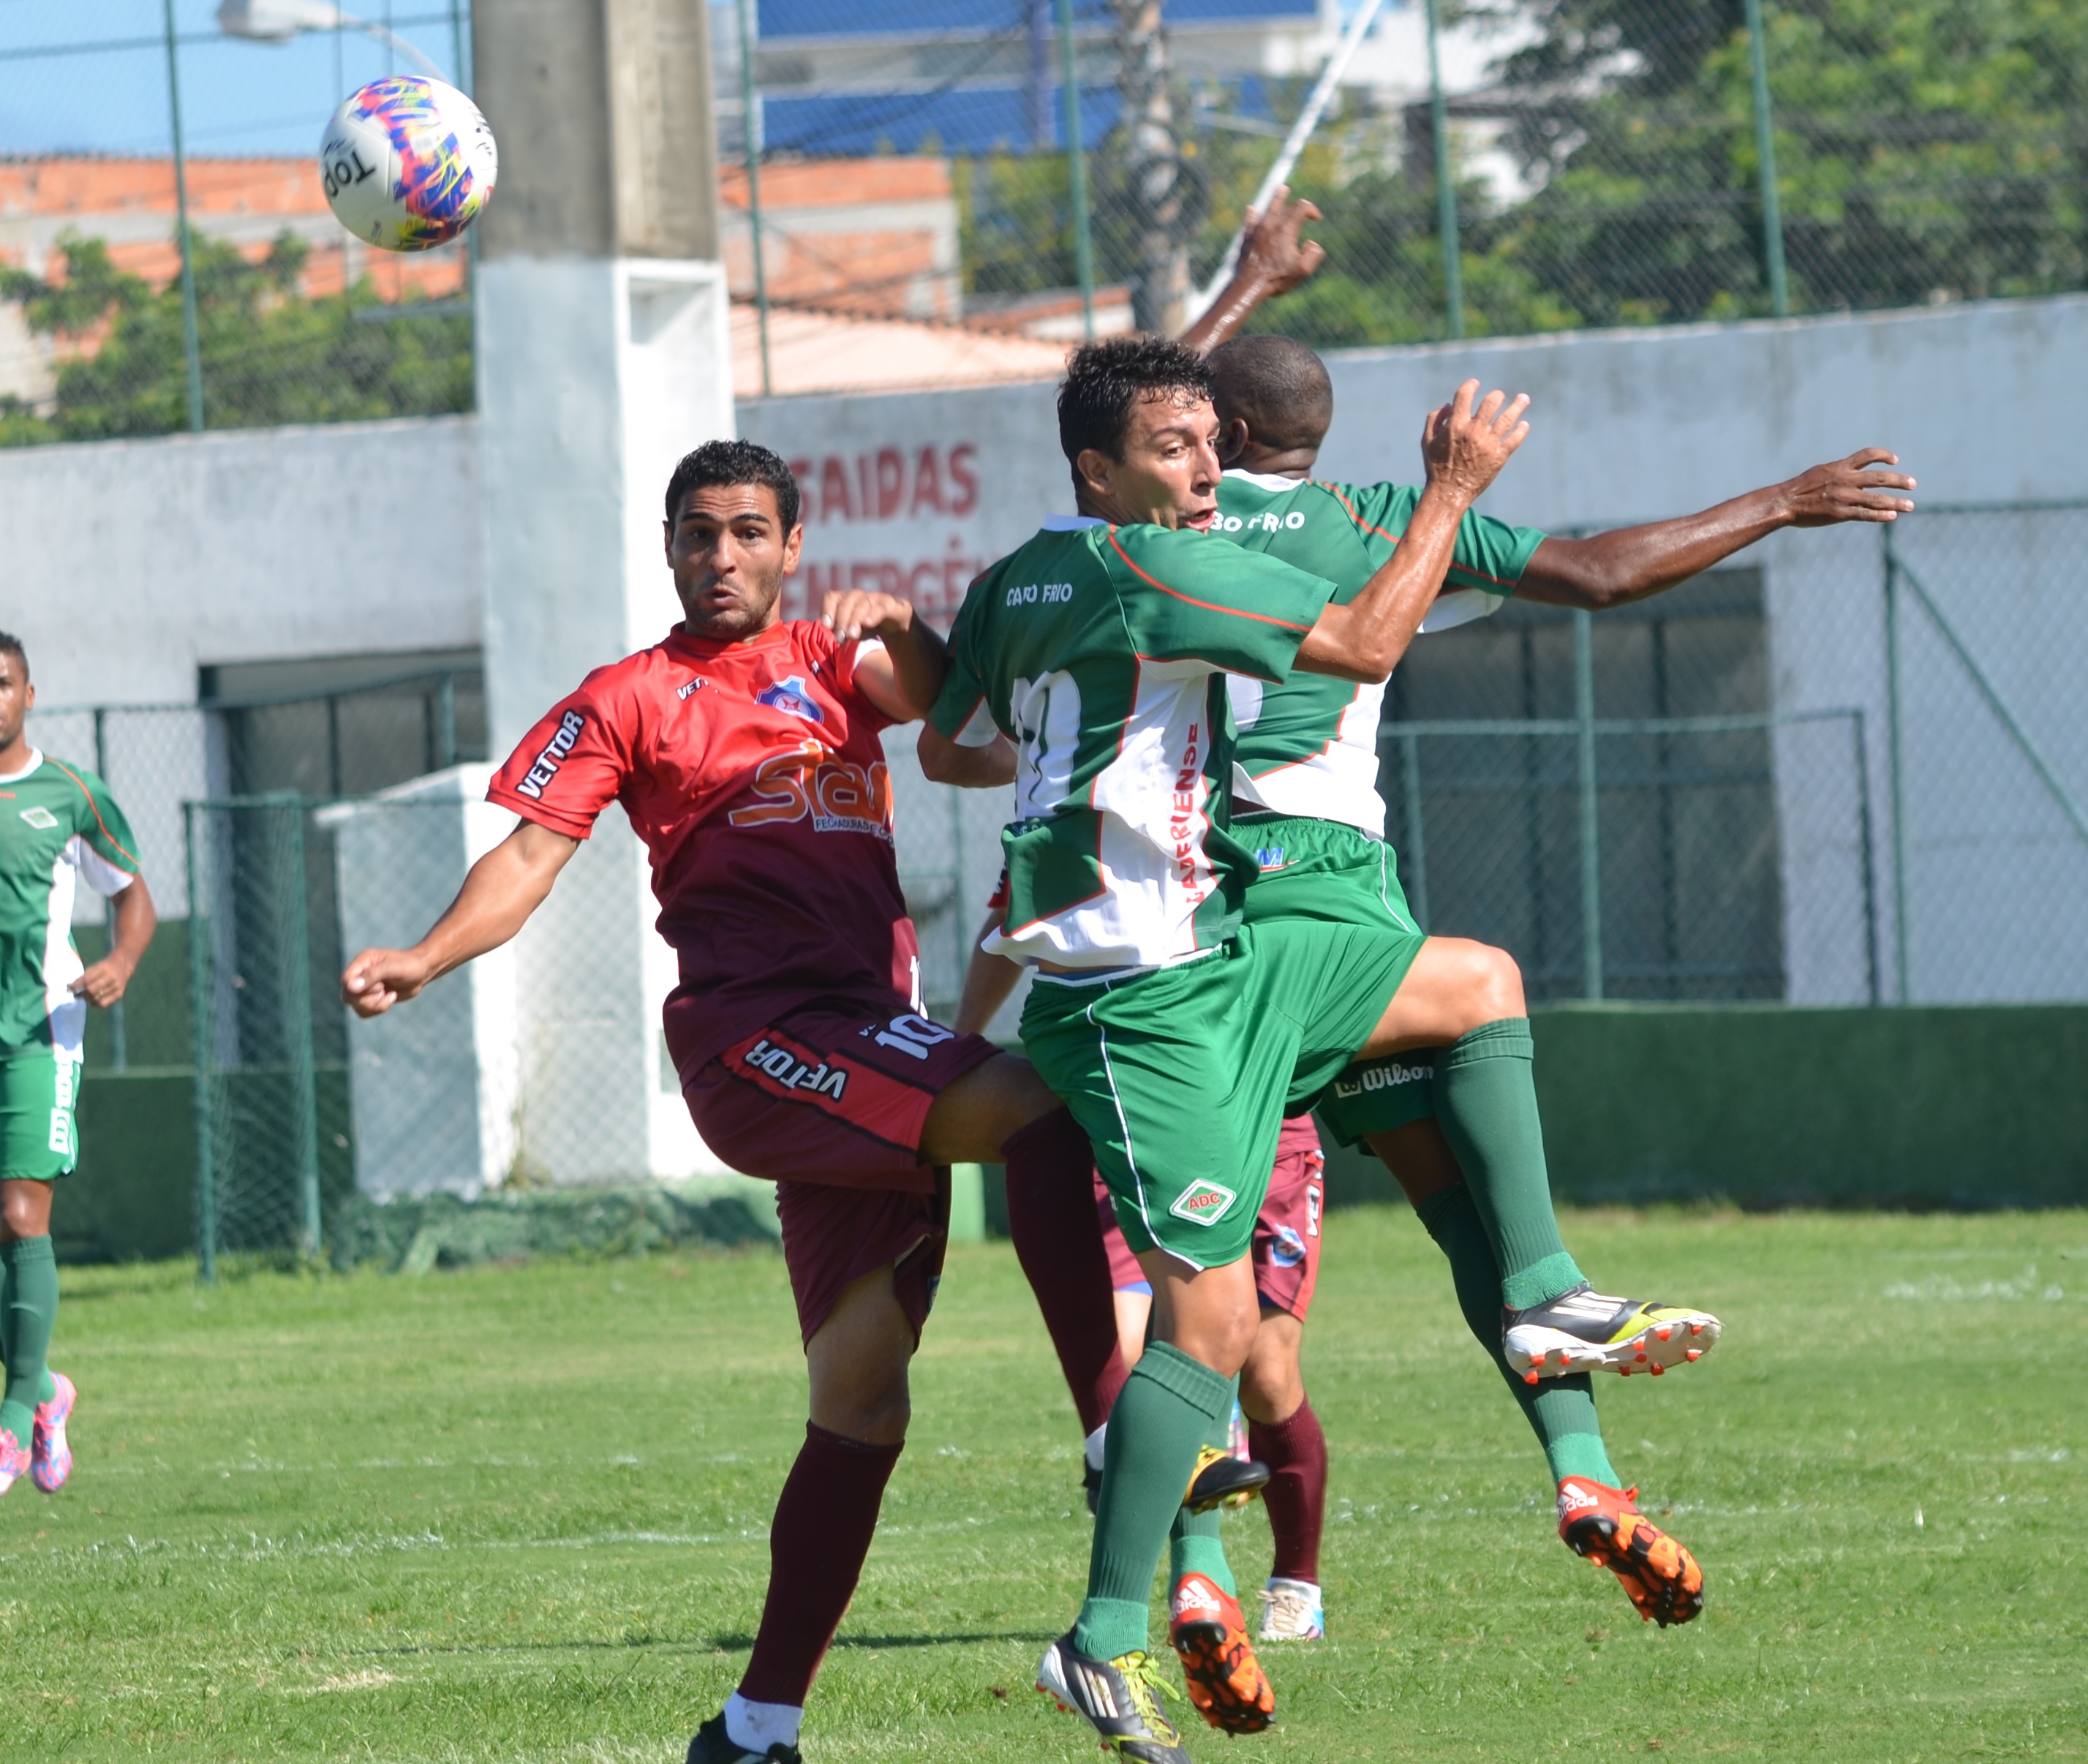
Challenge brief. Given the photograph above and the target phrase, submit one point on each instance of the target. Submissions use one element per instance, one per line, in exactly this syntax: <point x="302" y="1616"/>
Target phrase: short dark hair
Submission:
<point x="734" y="462"/>
<point x="11" y="645"/>
<point x="1104" y="379"/>
<point x="1277" y="387"/>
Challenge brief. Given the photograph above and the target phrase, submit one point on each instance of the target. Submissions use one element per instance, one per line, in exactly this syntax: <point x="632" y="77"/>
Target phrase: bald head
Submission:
<point x="1277" y="388"/>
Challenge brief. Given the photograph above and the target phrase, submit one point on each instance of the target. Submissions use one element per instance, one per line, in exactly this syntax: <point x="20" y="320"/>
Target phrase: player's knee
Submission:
<point x="1496" y="984"/>
<point x="876" y="1411"/>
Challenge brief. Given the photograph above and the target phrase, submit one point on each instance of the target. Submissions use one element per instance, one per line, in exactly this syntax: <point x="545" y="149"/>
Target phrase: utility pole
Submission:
<point x="1152" y="168"/>
<point x="191" y="340"/>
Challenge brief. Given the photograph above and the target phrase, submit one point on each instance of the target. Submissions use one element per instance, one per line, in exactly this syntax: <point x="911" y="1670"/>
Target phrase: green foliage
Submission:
<point x="269" y="355"/>
<point x="521" y="1514"/>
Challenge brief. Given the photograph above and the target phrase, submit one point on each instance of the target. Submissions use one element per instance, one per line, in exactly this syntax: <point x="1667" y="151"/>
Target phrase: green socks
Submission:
<point x="1485" y="1101"/>
<point x="28" y="1307"/>
<point x="1561" y="1411"/>
<point x="1166" y="1409"/>
<point x="1194" y="1546"/>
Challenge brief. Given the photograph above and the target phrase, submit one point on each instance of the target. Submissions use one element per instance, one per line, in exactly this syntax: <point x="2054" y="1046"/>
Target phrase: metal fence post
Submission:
<point x="119" y="1049"/>
<point x="749" y="136"/>
<point x="298" y="1005"/>
<point x="1771" y="204"/>
<point x="1076" y="169"/>
<point x="1591" y="856"/>
<point x="196" y="829"/>
<point x="1869" y="858"/>
<point x="1446" y="188"/>
<point x="1416" y="852"/>
<point x="446" y="741"/>
<point x="1895" y="764"/>
<point x="191" y="343"/>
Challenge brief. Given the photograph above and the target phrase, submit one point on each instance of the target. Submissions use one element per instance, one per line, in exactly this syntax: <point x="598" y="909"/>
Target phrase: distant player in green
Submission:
<point x="1178" y="1038"/>
<point x="1306" y="795"/>
<point x="60" y="830"/>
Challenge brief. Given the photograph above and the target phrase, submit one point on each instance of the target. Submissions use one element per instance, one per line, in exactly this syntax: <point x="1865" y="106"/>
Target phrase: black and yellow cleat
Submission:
<point x="1585" y="1330"/>
<point x="1118" y="1698"/>
<point x="1221" y="1479"/>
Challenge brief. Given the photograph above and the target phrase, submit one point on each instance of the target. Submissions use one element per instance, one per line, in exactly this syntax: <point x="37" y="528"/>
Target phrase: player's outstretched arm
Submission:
<point x="1610" y="569"/>
<point x="903" y="679"/>
<point x="136" y="919"/>
<point x="988" y="981"/>
<point x="1464" y="445"/>
<point x="1273" y="261"/>
<point x="502" y="889"/>
<point x="945" y="761"/>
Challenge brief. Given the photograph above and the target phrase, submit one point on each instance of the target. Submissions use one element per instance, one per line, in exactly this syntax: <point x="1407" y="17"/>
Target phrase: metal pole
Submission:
<point x="1772" y="207"/>
<point x="119" y="1051"/>
<point x="749" y="139"/>
<point x="446" y="745"/>
<point x="297" y="1004"/>
<point x="194" y="827"/>
<point x="1895" y="766"/>
<point x="1076" y="168"/>
<point x="1416" y="852"/>
<point x="191" y="343"/>
<point x="1869" y="860"/>
<point x="456" y="46"/>
<point x="1591" y="856"/>
<point x="1446" y="189"/>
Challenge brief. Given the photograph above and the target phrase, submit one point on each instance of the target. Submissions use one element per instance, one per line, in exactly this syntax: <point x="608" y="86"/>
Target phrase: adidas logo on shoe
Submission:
<point x="1573" y="1499"/>
<point x="1200" y="1596"/>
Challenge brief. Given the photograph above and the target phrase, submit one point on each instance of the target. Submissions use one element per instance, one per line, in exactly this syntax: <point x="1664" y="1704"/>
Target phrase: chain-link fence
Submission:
<point x="129" y="128"/>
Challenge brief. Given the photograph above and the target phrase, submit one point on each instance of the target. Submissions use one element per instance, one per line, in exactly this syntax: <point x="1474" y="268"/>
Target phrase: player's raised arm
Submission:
<point x="1273" y="261"/>
<point x="502" y="890"/>
<point x="902" y="678"/>
<point x="1610" y="569"/>
<point x="1464" y="446"/>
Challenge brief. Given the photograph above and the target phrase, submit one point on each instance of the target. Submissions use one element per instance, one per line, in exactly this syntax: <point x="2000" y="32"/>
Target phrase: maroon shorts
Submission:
<point x="828" y="1103"/>
<point x="1125" y="1274"/>
<point x="1286" y="1231"/>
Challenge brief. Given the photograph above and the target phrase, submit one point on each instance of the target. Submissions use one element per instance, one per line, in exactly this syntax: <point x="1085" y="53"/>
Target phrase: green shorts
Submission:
<point x="1326" y="870"/>
<point x="1181" y="1077"/>
<point x="39" y="1091"/>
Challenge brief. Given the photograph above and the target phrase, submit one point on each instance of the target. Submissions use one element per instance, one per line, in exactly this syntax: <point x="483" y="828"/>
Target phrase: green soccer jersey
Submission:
<point x="1101" y="652"/>
<point x="1309" y="747"/>
<point x="59" y="828"/>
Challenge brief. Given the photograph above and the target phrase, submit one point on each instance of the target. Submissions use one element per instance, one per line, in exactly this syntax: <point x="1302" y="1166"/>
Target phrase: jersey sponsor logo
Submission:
<point x="1182" y="825"/>
<point x="1040" y="593"/>
<point x="1203" y="1203"/>
<point x="786" y="1069"/>
<point x="1312" y="1209"/>
<point x="1384" y="1077"/>
<point x="696" y="685"/>
<point x="1288" y="1249"/>
<point x="40" y="818"/>
<point x="911" y="1034"/>
<point x="1268" y="522"/>
<point x="792" y="697"/>
<point x="553" y="757"/>
<point x="837" y="795"/>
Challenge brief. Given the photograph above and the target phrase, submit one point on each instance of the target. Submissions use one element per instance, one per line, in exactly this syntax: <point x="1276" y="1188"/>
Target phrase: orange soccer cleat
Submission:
<point x="1659" y="1576"/>
<point x="1226" y="1681"/>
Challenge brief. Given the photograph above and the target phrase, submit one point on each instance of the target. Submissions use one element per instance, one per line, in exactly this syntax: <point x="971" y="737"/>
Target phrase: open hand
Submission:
<point x="379" y="978"/>
<point x="1271" y="254"/>
<point x="1854" y="489"/>
<point x="1464" y="446"/>
<point x="103" y="983"/>
<point x="856" y="612"/>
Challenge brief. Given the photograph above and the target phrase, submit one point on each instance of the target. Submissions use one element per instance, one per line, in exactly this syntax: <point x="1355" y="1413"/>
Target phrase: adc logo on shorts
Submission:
<point x="1203" y="1203"/>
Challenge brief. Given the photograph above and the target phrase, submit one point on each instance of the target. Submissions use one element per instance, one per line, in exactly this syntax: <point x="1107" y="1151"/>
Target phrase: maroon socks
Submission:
<point x="1058" y="1241"/>
<point x="1295" y="1451"/>
<point x="817" y="1543"/>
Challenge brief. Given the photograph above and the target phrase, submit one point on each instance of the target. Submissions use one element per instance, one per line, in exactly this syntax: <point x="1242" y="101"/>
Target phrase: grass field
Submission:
<point x="518" y="1513"/>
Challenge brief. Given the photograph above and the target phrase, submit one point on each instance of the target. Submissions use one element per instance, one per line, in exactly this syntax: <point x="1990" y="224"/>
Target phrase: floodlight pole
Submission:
<point x="191" y="343"/>
<point x="1076" y="167"/>
<point x="1772" y="206"/>
<point x="749" y="138"/>
<point x="1446" y="186"/>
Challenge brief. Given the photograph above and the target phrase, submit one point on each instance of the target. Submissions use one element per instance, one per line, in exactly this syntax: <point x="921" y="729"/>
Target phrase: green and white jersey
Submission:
<point x="59" y="828"/>
<point x="1309" y="747"/>
<point x="1102" y="652"/>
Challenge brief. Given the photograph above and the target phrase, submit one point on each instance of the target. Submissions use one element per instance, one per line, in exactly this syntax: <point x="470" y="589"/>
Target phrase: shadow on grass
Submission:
<point x="716" y="1644"/>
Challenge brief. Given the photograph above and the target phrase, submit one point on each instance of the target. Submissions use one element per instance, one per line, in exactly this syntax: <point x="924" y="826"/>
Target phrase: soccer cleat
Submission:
<point x="1118" y="1698"/>
<point x="1660" y="1577"/>
<point x="1291" y="1611"/>
<point x="50" y="1458"/>
<point x="713" y="1745"/>
<point x="1221" y="1479"/>
<point x="1585" y="1330"/>
<point x="14" y="1459"/>
<point x="1227" y="1682"/>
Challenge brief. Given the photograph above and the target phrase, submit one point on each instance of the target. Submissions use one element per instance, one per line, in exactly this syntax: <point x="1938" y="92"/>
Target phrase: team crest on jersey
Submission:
<point x="792" y="697"/>
<point x="1203" y="1203"/>
<point x="40" y="818"/>
<point x="1288" y="1249"/>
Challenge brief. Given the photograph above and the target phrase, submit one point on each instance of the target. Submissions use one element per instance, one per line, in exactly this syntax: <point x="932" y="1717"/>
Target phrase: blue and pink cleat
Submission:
<point x="50" y="1455"/>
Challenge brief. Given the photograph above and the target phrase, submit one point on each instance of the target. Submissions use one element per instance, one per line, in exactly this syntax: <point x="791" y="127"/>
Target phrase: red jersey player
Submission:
<point x="746" y="752"/>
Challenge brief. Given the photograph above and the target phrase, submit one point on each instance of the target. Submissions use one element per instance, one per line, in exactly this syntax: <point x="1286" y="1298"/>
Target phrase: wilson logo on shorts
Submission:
<point x="1203" y="1203"/>
<point x="1382" y="1077"/>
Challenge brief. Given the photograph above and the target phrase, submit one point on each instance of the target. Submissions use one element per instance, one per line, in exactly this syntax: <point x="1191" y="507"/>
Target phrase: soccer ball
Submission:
<point x="407" y="163"/>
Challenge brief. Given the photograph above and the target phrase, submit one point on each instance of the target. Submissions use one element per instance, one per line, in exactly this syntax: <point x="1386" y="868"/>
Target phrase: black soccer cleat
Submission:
<point x="1221" y="1479"/>
<point x="713" y="1745"/>
<point x="1118" y="1698"/>
<point x="1585" y="1330"/>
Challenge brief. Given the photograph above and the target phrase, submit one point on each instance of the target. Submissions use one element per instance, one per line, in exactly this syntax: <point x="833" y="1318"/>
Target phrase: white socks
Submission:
<point x="1094" y="1447"/>
<point x="757" y="1726"/>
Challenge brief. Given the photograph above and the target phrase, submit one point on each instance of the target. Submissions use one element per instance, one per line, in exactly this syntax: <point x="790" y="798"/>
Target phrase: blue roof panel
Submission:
<point x="965" y="119"/>
<point x="781" y="18"/>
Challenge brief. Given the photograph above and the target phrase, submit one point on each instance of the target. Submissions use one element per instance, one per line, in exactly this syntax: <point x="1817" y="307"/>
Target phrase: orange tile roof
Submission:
<point x="88" y="185"/>
<point x="837" y="183"/>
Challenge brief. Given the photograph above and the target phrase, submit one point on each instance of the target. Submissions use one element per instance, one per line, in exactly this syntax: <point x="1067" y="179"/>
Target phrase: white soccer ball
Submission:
<point x="407" y="163"/>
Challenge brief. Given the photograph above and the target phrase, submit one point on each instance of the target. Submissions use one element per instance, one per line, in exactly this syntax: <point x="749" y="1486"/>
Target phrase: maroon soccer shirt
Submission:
<point x="754" y="774"/>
